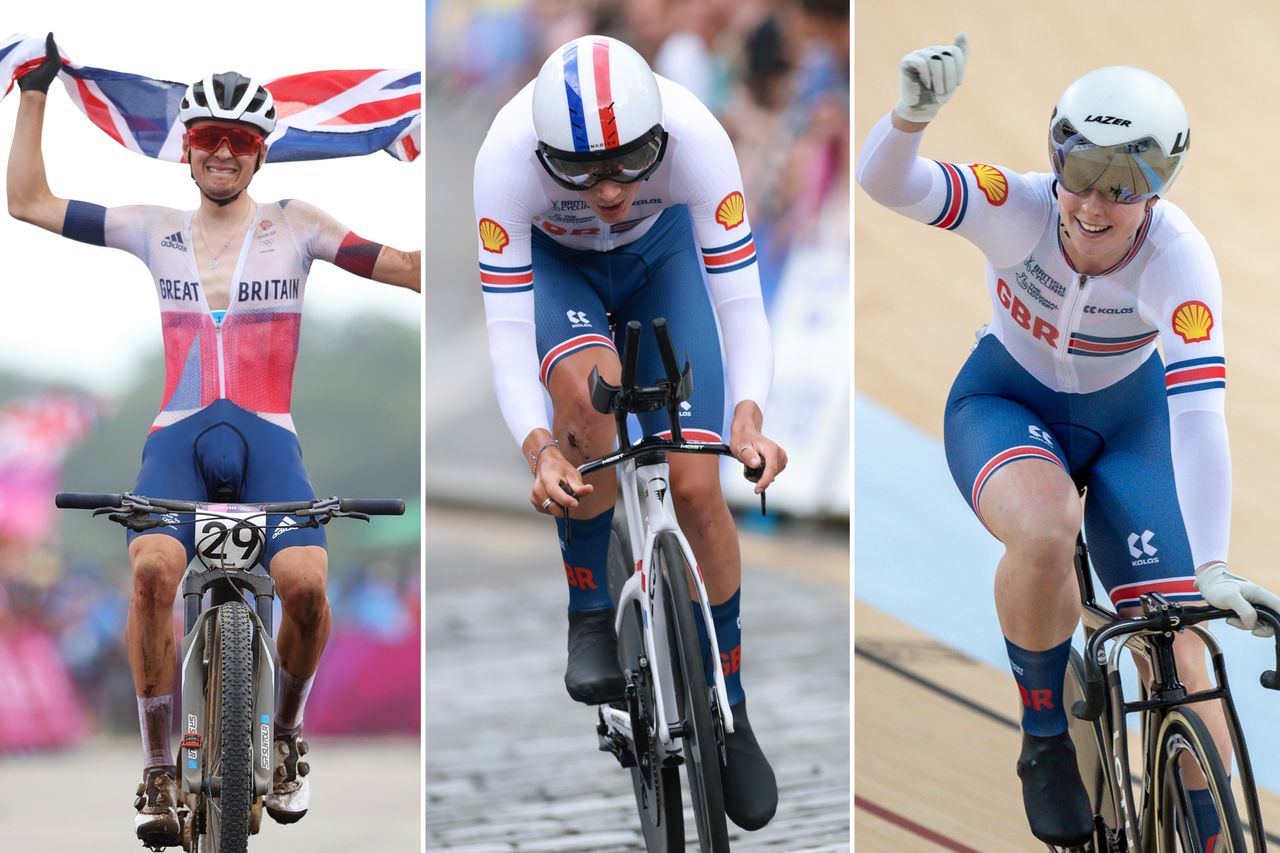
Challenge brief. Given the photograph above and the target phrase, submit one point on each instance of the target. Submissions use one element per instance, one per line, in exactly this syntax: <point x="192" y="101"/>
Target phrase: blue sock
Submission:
<point x="585" y="560"/>
<point x="1207" y="824"/>
<point x="1040" y="676"/>
<point x="728" y="624"/>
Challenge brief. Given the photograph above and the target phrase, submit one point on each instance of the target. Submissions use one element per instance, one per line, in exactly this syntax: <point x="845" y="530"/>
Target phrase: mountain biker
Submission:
<point x="1087" y="268"/>
<point x="230" y="278"/>
<point x="594" y="189"/>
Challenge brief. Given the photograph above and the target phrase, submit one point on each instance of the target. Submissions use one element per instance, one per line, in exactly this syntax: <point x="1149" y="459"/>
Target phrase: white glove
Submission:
<point x="929" y="77"/>
<point x="1231" y="592"/>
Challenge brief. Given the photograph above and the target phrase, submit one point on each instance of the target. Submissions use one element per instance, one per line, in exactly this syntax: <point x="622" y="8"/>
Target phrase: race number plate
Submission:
<point x="229" y="536"/>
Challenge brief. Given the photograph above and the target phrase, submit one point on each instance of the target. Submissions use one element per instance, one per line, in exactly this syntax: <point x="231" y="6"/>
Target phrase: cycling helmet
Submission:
<point x="1121" y="130"/>
<point x="598" y="114"/>
<point x="230" y="97"/>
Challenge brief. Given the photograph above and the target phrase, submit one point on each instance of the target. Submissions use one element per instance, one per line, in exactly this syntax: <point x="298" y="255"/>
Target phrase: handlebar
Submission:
<point x="135" y="511"/>
<point x="1162" y="620"/>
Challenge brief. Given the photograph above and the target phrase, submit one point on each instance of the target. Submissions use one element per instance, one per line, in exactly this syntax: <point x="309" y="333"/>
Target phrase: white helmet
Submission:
<point x="598" y="114"/>
<point x="1121" y="130"/>
<point x="229" y="97"/>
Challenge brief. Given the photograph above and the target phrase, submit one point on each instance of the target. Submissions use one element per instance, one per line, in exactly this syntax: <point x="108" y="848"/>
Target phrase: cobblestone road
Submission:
<point x="511" y="760"/>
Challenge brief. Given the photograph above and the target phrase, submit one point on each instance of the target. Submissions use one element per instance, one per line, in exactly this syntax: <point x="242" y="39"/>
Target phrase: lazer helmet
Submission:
<point x="598" y="114"/>
<point x="229" y="97"/>
<point x="1120" y="130"/>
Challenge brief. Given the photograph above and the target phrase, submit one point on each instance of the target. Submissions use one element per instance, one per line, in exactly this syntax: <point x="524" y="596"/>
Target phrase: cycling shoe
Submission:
<point x="156" y="824"/>
<point x="593" y="675"/>
<point x="750" y="789"/>
<point x="1054" y="797"/>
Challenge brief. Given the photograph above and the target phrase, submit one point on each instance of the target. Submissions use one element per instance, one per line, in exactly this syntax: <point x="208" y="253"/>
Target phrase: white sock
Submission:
<point x="291" y="701"/>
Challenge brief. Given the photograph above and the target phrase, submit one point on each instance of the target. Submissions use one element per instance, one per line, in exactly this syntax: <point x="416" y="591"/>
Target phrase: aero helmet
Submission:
<point x="1120" y="130"/>
<point x="598" y="114"/>
<point x="229" y="97"/>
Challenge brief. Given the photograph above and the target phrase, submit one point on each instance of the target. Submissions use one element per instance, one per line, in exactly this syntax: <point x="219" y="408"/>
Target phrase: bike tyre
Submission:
<point x="693" y="704"/>
<point x="1089" y="737"/>
<point x="229" y="749"/>
<point x="1182" y="732"/>
<point x="658" y="801"/>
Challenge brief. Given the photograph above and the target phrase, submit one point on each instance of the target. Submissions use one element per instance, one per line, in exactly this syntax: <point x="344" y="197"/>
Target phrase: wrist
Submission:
<point x="908" y="125"/>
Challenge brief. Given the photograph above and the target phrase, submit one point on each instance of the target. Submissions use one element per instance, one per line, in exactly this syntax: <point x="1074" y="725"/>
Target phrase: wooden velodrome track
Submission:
<point x="935" y="772"/>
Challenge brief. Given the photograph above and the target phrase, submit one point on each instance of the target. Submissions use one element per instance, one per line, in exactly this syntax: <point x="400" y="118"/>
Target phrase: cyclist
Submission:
<point x="594" y="189"/>
<point x="230" y="278"/>
<point x="1087" y="268"/>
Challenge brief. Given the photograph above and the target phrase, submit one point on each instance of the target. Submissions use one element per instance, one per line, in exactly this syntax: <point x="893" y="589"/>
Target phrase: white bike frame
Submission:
<point x="646" y="496"/>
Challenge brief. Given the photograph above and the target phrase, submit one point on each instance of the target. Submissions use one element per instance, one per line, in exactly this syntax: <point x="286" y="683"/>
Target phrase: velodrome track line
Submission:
<point x="956" y="698"/>
<point x="910" y="825"/>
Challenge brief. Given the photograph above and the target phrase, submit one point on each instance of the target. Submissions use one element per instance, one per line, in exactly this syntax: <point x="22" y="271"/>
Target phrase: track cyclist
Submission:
<point x="594" y="189"/>
<point x="230" y="278"/>
<point x="1088" y="268"/>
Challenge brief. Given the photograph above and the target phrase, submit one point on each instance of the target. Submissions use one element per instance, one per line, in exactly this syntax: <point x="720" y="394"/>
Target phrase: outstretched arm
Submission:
<point x="403" y="269"/>
<point x="29" y="196"/>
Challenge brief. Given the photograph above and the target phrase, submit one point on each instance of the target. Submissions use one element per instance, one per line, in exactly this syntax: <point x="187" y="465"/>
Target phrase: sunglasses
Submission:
<point x="209" y="137"/>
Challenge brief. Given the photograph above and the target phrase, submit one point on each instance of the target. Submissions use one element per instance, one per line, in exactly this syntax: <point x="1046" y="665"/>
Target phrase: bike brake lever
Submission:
<point x="337" y="513"/>
<point x="754" y="475"/>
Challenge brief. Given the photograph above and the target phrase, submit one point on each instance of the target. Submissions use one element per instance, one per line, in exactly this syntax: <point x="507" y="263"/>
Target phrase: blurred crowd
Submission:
<point x="774" y="72"/>
<point x="75" y="610"/>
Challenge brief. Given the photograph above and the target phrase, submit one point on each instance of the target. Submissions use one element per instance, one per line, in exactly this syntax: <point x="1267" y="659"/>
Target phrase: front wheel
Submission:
<point x="656" y="783"/>
<point x="1185" y="759"/>
<point x="693" y="705"/>
<point x="228" y="783"/>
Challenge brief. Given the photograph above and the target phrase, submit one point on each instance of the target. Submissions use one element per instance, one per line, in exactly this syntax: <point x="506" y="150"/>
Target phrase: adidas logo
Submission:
<point x="286" y="525"/>
<point x="174" y="241"/>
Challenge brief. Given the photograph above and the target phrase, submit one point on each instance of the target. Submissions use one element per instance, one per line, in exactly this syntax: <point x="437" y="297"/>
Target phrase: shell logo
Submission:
<point x="1192" y="321"/>
<point x="992" y="182"/>
<point x="493" y="236"/>
<point x="730" y="211"/>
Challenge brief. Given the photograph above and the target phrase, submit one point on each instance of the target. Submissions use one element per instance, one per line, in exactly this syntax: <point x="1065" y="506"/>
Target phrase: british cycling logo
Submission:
<point x="1140" y="545"/>
<point x="174" y="241"/>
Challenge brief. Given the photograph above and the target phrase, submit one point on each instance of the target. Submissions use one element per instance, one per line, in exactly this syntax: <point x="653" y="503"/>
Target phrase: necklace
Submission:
<point x="213" y="259"/>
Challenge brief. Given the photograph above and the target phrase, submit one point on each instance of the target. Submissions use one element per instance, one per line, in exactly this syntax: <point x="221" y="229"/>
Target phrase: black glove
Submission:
<point x="39" y="78"/>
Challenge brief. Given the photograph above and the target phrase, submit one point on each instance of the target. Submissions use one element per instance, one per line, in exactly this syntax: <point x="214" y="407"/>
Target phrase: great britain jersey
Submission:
<point x="513" y="196"/>
<point x="1078" y="333"/>
<point x="246" y="354"/>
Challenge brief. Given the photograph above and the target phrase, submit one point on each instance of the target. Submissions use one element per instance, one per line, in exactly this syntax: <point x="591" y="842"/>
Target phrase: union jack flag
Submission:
<point x="320" y="114"/>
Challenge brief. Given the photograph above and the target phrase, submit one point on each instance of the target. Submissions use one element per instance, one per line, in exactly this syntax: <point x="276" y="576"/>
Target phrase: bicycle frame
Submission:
<point x="646" y="498"/>
<point x="1101" y="626"/>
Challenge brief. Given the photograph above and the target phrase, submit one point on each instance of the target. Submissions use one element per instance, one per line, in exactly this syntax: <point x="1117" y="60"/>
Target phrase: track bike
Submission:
<point x="229" y="658"/>
<point x="1177" y="751"/>
<point x="669" y="715"/>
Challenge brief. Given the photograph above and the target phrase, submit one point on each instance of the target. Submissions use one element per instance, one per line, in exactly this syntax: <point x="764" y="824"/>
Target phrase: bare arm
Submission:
<point x="29" y="196"/>
<point x="403" y="269"/>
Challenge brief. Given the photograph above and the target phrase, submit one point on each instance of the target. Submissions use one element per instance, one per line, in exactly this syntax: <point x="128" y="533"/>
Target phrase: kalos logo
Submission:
<point x="493" y="236"/>
<point x="731" y="210"/>
<point x="1193" y="321"/>
<point x="992" y="182"/>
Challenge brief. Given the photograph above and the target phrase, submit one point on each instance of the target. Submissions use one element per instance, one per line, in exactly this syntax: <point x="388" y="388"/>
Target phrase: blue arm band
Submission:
<point x="85" y="222"/>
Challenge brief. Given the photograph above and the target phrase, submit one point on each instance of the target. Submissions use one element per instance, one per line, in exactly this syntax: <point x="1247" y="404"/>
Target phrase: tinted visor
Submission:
<point x="626" y="164"/>
<point x="1127" y="173"/>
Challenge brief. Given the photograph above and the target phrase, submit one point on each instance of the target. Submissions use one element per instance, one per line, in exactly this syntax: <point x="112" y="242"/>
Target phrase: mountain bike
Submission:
<point x="229" y="660"/>
<point x="669" y="715"/>
<point x="1177" y="751"/>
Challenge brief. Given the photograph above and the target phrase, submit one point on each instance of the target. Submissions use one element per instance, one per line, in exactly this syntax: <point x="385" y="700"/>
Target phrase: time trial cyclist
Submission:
<point x="602" y="193"/>
<point x="230" y="278"/>
<point x="1088" y="268"/>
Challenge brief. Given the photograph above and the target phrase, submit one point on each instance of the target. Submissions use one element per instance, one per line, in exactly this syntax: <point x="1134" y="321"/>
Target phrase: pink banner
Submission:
<point x="367" y="685"/>
<point x="38" y="705"/>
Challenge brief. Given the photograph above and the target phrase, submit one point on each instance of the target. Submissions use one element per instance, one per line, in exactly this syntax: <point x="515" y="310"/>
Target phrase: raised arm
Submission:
<point x="403" y="269"/>
<point x="332" y="241"/>
<point x="29" y="196"/>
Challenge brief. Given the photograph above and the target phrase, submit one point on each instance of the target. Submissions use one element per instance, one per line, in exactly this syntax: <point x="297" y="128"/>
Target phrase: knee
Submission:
<point x="1045" y="538"/>
<point x="584" y="434"/>
<point x="156" y="573"/>
<point x="300" y="582"/>
<point x="697" y="491"/>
